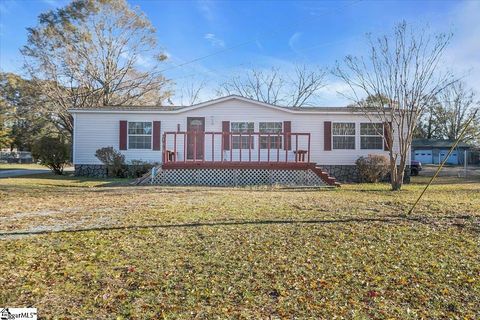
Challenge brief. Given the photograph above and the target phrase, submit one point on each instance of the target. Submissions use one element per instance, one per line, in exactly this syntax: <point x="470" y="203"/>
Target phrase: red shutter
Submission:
<point x="287" y="129"/>
<point x="123" y="135"/>
<point x="225" y="135"/>
<point x="327" y="135"/>
<point x="386" y="135"/>
<point x="156" y="135"/>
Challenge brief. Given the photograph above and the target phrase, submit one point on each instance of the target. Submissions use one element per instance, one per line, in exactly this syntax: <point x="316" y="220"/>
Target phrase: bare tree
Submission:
<point x="274" y="87"/>
<point x="256" y="84"/>
<point x="402" y="71"/>
<point x="429" y="125"/>
<point x="189" y="93"/>
<point x="458" y="106"/>
<point x="305" y="85"/>
<point x="92" y="53"/>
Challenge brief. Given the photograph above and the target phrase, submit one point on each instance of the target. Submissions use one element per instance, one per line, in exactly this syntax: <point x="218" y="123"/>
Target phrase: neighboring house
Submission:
<point x="434" y="151"/>
<point x="231" y="133"/>
<point x="14" y="156"/>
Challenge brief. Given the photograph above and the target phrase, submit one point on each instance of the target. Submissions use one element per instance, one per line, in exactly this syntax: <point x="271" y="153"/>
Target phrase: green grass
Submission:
<point x="242" y="253"/>
<point x="21" y="166"/>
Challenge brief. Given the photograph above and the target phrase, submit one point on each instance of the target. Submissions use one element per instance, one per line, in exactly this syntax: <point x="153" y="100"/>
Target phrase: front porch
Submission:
<point x="238" y="159"/>
<point x="196" y="149"/>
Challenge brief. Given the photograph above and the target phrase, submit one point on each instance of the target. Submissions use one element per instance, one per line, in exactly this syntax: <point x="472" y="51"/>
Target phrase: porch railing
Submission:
<point x="197" y="146"/>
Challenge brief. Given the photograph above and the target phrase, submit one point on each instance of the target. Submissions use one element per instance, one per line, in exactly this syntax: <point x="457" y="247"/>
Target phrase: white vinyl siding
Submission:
<point x="343" y="135"/>
<point x="371" y="136"/>
<point x="94" y="130"/>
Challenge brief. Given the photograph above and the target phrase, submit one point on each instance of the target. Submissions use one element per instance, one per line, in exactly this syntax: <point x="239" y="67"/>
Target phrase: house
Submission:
<point x="434" y="151"/>
<point x="231" y="140"/>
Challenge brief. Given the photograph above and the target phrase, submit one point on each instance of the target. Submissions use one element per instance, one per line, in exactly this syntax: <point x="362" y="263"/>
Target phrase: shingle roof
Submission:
<point x="134" y="108"/>
<point x="174" y="108"/>
<point x="179" y="107"/>
<point x="437" y="143"/>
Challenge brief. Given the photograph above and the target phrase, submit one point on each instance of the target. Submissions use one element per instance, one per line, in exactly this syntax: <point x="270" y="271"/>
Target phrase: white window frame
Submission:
<point x="370" y="135"/>
<point x="252" y="144"/>
<point x="273" y="135"/>
<point x="349" y="135"/>
<point x="139" y="135"/>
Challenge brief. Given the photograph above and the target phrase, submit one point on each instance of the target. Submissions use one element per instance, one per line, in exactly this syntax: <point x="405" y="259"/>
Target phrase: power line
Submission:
<point x="237" y="46"/>
<point x="246" y="42"/>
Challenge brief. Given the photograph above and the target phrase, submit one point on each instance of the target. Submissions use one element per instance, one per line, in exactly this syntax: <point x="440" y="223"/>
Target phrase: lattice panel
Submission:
<point x="178" y="177"/>
<point x="235" y="177"/>
<point x="288" y="177"/>
<point x="245" y="177"/>
<point x="215" y="177"/>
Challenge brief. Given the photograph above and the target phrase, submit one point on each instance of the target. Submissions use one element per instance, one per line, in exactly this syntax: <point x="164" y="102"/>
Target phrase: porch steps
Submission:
<point x="331" y="181"/>
<point x="145" y="178"/>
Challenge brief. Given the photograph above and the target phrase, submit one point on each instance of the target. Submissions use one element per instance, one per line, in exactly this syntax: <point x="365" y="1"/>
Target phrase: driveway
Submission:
<point x="451" y="171"/>
<point x="21" y="172"/>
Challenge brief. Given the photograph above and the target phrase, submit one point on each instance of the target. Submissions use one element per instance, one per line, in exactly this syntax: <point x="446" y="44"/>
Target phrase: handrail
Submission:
<point x="236" y="133"/>
<point x="196" y="142"/>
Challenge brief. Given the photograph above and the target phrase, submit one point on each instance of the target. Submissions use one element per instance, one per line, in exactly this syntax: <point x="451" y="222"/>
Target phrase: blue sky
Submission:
<point x="270" y="33"/>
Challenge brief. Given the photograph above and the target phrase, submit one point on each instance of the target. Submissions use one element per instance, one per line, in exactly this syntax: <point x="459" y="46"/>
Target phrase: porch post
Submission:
<point x="184" y="147"/>
<point x="308" y="156"/>
<point x="164" y="149"/>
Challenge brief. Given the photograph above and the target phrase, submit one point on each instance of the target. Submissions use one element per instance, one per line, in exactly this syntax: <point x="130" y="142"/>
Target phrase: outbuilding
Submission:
<point x="434" y="151"/>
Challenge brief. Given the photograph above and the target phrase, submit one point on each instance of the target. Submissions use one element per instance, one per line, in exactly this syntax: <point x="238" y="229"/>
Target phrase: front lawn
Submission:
<point x="21" y="166"/>
<point x="189" y="252"/>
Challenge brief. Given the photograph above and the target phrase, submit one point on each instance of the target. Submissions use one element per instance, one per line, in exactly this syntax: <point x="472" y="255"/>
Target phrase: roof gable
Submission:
<point x="238" y="98"/>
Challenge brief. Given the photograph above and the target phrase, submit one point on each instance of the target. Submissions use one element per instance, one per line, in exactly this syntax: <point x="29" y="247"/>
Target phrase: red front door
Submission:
<point x="195" y="138"/>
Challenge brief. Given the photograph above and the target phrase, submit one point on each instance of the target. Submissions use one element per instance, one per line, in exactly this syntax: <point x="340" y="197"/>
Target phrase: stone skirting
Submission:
<point x="91" y="170"/>
<point x="235" y="177"/>
<point x="349" y="173"/>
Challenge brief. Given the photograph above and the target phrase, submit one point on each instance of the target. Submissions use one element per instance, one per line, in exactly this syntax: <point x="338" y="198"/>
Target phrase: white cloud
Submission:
<point x="140" y="61"/>
<point x="206" y="9"/>
<point x="144" y="62"/>
<point x="167" y="54"/>
<point x="463" y="54"/>
<point x="259" y="44"/>
<point x="7" y="7"/>
<point x="331" y="94"/>
<point x="53" y="3"/>
<point x="216" y="42"/>
<point x="293" y="40"/>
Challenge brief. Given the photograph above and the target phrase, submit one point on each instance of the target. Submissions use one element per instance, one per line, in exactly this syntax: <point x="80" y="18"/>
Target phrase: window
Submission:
<point x="244" y="128"/>
<point x="343" y="135"/>
<point x="275" y="141"/>
<point x="371" y="135"/>
<point x="139" y="135"/>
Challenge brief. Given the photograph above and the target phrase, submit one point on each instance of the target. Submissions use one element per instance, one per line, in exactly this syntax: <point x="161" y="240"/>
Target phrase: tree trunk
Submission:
<point x="397" y="183"/>
<point x="397" y="178"/>
<point x="393" y="173"/>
